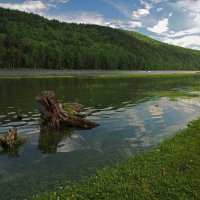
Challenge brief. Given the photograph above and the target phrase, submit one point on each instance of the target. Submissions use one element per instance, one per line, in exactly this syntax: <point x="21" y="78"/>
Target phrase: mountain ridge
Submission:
<point x="30" y="41"/>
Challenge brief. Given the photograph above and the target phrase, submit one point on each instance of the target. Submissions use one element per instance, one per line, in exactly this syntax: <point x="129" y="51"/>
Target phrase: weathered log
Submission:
<point x="55" y="116"/>
<point x="9" y="140"/>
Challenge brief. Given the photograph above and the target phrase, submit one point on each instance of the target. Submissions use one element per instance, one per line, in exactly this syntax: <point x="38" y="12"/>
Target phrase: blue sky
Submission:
<point x="172" y="21"/>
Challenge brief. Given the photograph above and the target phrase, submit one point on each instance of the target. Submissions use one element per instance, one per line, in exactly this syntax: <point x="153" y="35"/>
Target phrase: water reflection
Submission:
<point x="48" y="141"/>
<point x="72" y="143"/>
<point x="131" y="127"/>
<point x="131" y="121"/>
<point x="12" y="153"/>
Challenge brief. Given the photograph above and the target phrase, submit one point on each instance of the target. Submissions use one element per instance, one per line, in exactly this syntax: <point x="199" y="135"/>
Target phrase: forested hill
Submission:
<point x="31" y="41"/>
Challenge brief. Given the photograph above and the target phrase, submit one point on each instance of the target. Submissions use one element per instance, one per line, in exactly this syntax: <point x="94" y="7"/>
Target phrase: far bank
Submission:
<point x="42" y="72"/>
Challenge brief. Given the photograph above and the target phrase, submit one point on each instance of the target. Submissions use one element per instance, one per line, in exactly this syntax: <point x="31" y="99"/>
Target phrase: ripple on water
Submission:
<point x="29" y="130"/>
<point x="36" y="115"/>
<point x="108" y="111"/>
<point x="10" y="107"/>
<point x="24" y="115"/>
<point x="2" y="116"/>
<point x="94" y="117"/>
<point x="6" y="121"/>
<point x="32" y="123"/>
<point x="11" y="113"/>
<point x="4" y="129"/>
<point x="126" y="102"/>
<point x="120" y="110"/>
<point x="28" y="119"/>
<point x="108" y="108"/>
<point x="15" y="124"/>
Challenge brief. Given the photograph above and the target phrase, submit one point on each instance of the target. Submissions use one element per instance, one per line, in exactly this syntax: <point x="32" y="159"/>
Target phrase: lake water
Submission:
<point x="132" y="120"/>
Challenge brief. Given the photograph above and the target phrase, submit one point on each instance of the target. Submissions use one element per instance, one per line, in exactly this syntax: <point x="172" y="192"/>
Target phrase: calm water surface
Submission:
<point x="132" y="119"/>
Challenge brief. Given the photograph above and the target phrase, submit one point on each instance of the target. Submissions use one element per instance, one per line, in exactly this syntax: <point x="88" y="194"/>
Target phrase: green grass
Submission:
<point x="169" y="171"/>
<point x="69" y="109"/>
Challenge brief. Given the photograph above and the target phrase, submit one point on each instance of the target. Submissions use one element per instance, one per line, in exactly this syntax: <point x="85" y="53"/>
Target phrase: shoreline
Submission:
<point x="72" y="73"/>
<point x="169" y="171"/>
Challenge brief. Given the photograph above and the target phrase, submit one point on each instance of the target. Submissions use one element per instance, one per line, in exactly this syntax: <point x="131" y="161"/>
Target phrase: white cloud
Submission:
<point x="115" y="23"/>
<point x="95" y="18"/>
<point x="140" y="13"/>
<point x="195" y="16"/>
<point x="135" y="24"/>
<point x="160" y="27"/>
<point x="187" y="5"/>
<point x="58" y="1"/>
<point x="62" y="1"/>
<point x="188" y="14"/>
<point x="191" y="8"/>
<point x="147" y="6"/>
<point x="192" y="31"/>
<point x="123" y="24"/>
<point x="189" y="38"/>
<point x="80" y="17"/>
<point x="28" y="6"/>
<point x="191" y="41"/>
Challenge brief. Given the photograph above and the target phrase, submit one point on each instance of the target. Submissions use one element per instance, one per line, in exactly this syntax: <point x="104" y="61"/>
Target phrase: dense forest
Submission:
<point x="31" y="41"/>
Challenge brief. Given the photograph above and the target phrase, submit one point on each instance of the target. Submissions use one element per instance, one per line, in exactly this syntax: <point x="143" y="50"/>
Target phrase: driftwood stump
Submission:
<point x="9" y="140"/>
<point x="55" y="116"/>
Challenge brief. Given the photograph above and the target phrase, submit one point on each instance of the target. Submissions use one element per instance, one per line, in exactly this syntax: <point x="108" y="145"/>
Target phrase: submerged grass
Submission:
<point x="196" y="89"/>
<point x="170" y="171"/>
<point x="174" y="95"/>
<point x="22" y="139"/>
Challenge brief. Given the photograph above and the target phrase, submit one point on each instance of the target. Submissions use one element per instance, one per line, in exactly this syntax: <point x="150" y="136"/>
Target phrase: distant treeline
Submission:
<point x="31" y="41"/>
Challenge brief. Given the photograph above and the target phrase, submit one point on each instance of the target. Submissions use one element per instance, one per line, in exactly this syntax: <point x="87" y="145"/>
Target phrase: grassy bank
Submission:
<point x="170" y="171"/>
<point x="148" y="75"/>
<point x="99" y="75"/>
